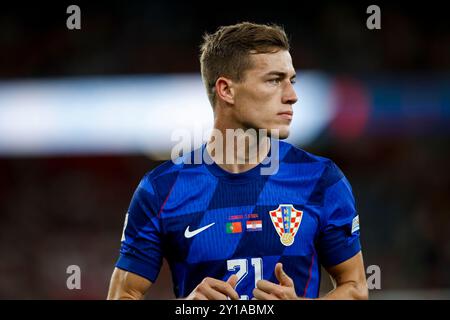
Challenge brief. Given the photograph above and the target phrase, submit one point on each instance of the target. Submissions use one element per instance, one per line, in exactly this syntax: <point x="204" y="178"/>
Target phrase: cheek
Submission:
<point x="257" y="105"/>
<point x="259" y="99"/>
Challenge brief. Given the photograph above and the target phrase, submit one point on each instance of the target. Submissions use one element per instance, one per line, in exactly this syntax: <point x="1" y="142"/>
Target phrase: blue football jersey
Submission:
<point x="208" y="222"/>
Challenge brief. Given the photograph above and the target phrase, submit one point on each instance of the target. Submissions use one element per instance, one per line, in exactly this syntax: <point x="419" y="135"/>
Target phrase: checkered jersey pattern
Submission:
<point x="175" y="197"/>
<point x="277" y="219"/>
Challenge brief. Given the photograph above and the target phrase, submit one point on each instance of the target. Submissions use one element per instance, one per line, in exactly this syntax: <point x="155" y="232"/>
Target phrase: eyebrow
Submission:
<point x="279" y="73"/>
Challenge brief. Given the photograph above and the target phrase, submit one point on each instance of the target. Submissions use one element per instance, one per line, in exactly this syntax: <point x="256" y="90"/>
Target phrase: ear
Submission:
<point x="224" y="89"/>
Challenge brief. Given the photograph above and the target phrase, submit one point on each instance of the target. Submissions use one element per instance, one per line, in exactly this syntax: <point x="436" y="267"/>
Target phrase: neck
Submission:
<point x="236" y="149"/>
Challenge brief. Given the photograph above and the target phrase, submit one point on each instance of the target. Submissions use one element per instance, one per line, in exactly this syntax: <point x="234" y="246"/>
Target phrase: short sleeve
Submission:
<point x="338" y="239"/>
<point x="141" y="248"/>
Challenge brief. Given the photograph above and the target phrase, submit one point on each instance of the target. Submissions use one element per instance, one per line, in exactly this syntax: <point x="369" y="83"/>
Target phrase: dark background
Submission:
<point x="61" y="210"/>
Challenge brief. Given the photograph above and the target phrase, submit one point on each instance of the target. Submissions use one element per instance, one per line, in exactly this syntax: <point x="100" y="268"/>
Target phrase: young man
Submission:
<point x="226" y="229"/>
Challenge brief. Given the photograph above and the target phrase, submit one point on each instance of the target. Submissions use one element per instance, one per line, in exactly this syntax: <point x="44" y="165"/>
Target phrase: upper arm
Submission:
<point x="338" y="238"/>
<point x="126" y="285"/>
<point x="338" y="242"/>
<point x="351" y="270"/>
<point x="141" y="250"/>
<point x="351" y="273"/>
<point x="140" y="256"/>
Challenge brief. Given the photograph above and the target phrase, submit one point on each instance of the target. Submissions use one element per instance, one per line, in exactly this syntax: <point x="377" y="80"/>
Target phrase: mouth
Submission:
<point x="286" y="115"/>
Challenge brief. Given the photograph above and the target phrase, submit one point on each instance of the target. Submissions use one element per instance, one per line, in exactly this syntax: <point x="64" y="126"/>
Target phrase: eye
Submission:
<point x="274" y="81"/>
<point x="293" y="81"/>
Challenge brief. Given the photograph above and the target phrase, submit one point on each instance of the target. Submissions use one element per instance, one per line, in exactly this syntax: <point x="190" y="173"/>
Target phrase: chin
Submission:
<point x="283" y="133"/>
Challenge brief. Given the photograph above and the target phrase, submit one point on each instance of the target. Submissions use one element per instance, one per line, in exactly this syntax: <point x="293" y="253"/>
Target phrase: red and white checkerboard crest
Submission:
<point x="286" y="220"/>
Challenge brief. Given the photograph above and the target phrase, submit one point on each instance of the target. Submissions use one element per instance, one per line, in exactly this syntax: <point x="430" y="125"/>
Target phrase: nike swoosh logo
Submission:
<point x="189" y="234"/>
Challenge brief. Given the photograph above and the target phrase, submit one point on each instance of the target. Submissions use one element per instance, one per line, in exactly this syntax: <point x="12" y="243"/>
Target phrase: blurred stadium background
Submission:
<point x="84" y="114"/>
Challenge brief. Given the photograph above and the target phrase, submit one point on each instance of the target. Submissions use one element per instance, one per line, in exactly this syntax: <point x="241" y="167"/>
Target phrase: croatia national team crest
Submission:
<point x="286" y="220"/>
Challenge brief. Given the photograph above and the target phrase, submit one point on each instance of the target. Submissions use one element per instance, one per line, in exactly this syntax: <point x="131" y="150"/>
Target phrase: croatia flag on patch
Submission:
<point x="254" y="225"/>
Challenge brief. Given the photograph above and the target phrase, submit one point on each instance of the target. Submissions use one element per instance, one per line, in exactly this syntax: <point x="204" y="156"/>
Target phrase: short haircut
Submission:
<point x="227" y="51"/>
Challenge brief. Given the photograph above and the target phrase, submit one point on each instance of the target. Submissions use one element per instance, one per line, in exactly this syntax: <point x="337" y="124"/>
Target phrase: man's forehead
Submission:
<point x="279" y="61"/>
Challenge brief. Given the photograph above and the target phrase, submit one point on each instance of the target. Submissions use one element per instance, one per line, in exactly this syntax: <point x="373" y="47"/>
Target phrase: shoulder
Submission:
<point x="329" y="171"/>
<point x="163" y="176"/>
<point x="322" y="170"/>
<point x="292" y="154"/>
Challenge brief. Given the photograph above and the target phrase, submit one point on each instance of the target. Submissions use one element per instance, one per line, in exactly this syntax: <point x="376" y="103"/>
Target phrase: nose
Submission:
<point x="289" y="95"/>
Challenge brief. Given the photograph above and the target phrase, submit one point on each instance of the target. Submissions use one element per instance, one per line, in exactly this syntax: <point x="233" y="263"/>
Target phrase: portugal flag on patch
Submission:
<point x="234" y="227"/>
